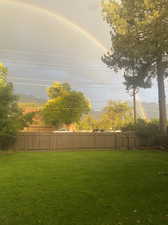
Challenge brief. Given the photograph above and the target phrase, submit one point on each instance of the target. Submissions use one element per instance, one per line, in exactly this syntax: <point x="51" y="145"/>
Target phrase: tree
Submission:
<point x="12" y="119"/>
<point x="65" y="106"/>
<point x="139" y="34"/>
<point x="57" y="89"/>
<point x="87" y="123"/>
<point x="116" y="115"/>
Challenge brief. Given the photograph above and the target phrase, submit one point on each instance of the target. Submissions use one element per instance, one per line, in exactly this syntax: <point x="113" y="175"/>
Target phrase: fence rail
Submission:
<point x="52" y="142"/>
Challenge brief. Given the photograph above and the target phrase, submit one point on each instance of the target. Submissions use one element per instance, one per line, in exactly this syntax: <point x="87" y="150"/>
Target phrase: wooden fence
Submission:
<point x="52" y="142"/>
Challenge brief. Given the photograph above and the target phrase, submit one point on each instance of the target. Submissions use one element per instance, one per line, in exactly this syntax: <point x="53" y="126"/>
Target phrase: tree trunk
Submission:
<point x="134" y="106"/>
<point x="162" y="99"/>
<point x="134" y="96"/>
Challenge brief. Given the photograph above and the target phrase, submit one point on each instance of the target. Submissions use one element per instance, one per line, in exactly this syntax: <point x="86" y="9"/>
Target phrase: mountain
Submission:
<point x="147" y="110"/>
<point x="30" y="99"/>
<point x="150" y="110"/>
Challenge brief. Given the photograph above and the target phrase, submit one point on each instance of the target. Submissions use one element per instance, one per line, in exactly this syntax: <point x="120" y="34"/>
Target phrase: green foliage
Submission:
<point x="148" y="132"/>
<point x="115" y="115"/>
<point x="139" y="44"/>
<point x="141" y="33"/>
<point x="126" y="52"/>
<point x="143" y="128"/>
<point x="87" y="123"/>
<point x="12" y="119"/>
<point x="57" y="89"/>
<point x="27" y="119"/>
<point x="64" y="106"/>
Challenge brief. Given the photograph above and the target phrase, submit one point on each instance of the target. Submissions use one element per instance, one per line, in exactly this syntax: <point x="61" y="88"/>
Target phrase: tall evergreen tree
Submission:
<point x="139" y="35"/>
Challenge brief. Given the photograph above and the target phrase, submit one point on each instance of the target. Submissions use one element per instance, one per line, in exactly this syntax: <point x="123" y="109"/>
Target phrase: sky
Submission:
<point x="46" y="41"/>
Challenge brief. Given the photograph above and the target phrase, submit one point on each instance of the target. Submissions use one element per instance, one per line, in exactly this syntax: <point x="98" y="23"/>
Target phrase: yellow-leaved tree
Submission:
<point x="65" y="106"/>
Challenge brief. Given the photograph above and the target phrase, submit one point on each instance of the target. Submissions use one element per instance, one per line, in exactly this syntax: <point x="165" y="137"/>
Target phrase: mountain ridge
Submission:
<point x="150" y="109"/>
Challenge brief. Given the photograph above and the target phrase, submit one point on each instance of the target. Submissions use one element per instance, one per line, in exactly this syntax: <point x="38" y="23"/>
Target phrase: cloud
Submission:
<point x="94" y="6"/>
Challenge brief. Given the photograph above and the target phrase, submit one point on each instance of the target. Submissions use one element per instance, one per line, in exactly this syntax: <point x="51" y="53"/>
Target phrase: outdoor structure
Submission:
<point x="73" y="140"/>
<point x="38" y="125"/>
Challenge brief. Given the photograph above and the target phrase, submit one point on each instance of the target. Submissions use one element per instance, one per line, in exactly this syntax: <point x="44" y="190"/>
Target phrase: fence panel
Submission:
<point x="49" y="141"/>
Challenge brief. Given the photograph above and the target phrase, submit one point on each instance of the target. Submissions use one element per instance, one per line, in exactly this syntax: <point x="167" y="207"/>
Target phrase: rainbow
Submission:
<point x="69" y="23"/>
<point x="59" y="18"/>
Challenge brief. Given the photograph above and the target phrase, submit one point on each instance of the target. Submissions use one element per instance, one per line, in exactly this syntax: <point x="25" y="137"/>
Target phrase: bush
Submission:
<point x="6" y="141"/>
<point x="143" y="128"/>
<point x="147" y="131"/>
<point x="162" y="140"/>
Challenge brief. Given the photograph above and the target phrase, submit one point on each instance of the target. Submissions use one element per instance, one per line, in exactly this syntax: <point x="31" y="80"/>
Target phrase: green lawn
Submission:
<point x="84" y="188"/>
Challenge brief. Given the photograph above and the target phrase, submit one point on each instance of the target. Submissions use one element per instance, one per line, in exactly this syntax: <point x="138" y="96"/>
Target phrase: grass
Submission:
<point x="84" y="188"/>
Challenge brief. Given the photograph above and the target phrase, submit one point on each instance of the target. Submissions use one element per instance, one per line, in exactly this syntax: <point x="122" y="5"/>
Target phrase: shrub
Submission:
<point x="143" y="128"/>
<point x="147" y="131"/>
<point x="6" y="140"/>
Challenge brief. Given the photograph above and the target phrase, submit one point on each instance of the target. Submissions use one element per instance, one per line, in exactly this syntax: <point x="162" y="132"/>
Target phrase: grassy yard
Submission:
<point x="84" y="188"/>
